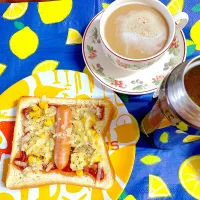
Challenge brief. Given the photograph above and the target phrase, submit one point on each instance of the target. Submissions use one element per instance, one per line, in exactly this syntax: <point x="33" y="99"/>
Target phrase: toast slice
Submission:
<point x="32" y="157"/>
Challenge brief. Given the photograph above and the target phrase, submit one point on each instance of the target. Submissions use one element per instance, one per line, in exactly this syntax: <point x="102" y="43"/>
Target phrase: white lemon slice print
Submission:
<point x="45" y="66"/>
<point x="15" y="11"/>
<point x="189" y="175"/>
<point x="74" y="37"/>
<point x="175" y="6"/>
<point x="2" y="68"/>
<point x="157" y="187"/>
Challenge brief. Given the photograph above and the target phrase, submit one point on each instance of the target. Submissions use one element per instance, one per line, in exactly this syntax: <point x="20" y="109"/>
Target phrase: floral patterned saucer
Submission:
<point x="119" y="80"/>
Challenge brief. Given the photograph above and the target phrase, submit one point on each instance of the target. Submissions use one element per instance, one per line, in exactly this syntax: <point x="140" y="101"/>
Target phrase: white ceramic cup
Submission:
<point x="176" y="23"/>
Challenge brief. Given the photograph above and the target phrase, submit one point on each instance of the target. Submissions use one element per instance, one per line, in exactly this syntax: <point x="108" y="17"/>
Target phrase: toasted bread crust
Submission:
<point x="15" y="177"/>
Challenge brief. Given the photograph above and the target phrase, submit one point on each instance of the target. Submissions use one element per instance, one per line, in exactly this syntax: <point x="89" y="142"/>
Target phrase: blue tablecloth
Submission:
<point x="52" y="46"/>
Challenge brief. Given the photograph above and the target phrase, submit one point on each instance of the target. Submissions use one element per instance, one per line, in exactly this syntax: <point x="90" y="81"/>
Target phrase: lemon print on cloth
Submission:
<point x="54" y="11"/>
<point x="24" y="42"/>
<point x="157" y="187"/>
<point x="45" y="66"/>
<point x="164" y="137"/>
<point x="130" y="197"/>
<point x="191" y="138"/>
<point x="189" y="175"/>
<point x="182" y="126"/>
<point x="105" y="5"/>
<point x="15" y="11"/>
<point x="175" y="6"/>
<point x="194" y="34"/>
<point x="2" y="68"/>
<point x="74" y="37"/>
<point x="150" y="159"/>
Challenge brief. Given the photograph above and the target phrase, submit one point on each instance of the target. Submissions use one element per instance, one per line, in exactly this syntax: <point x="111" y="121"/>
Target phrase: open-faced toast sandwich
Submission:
<point x="60" y="140"/>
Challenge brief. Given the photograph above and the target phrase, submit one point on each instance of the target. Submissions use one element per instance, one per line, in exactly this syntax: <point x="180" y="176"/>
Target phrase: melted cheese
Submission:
<point x="84" y="139"/>
<point x="38" y="143"/>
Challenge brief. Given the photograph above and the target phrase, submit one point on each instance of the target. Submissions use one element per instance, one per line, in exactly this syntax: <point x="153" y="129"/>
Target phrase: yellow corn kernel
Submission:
<point x="35" y="114"/>
<point x="47" y="159"/>
<point x="31" y="159"/>
<point x="37" y="154"/>
<point x="43" y="105"/>
<point x="32" y="114"/>
<point x="96" y="136"/>
<point x="38" y="161"/>
<point x="79" y="172"/>
<point x="98" y="158"/>
<point x="43" y="135"/>
<point x="35" y="108"/>
<point x="48" y="123"/>
<point x="35" y="118"/>
<point x="83" y="120"/>
<point x="91" y="132"/>
<point x="92" y="117"/>
<point x="97" y="145"/>
<point x="53" y="118"/>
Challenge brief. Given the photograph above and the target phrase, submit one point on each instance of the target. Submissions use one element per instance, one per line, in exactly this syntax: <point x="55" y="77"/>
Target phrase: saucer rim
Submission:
<point x="108" y="86"/>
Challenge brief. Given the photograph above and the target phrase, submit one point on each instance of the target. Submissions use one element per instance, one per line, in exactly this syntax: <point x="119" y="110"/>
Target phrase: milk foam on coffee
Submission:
<point x="141" y="30"/>
<point x="136" y="31"/>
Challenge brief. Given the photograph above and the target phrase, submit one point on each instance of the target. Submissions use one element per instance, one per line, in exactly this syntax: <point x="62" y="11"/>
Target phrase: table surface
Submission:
<point x="52" y="46"/>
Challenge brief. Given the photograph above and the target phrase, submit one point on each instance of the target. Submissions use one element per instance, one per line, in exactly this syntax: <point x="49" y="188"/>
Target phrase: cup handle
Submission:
<point x="181" y="19"/>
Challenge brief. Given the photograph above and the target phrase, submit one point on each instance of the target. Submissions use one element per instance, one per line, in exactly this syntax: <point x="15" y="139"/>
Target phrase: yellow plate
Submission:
<point x="121" y="139"/>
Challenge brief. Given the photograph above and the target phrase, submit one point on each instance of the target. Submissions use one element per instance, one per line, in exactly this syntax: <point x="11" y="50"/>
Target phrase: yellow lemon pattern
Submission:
<point x="189" y="42"/>
<point x="182" y="126"/>
<point x="74" y="37"/>
<point x="175" y="6"/>
<point x="24" y="43"/>
<point x="164" y="137"/>
<point x="130" y="197"/>
<point x="189" y="176"/>
<point x="105" y="5"/>
<point x="150" y="159"/>
<point x="2" y="68"/>
<point x="191" y="138"/>
<point x="157" y="187"/>
<point x="54" y="11"/>
<point x="15" y="11"/>
<point x="45" y="66"/>
<point x="194" y="34"/>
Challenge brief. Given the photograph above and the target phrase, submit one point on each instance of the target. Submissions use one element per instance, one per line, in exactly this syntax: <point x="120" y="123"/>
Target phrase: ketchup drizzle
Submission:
<point x="23" y="158"/>
<point x="102" y="112"/>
